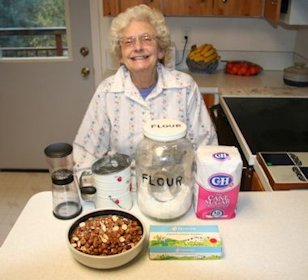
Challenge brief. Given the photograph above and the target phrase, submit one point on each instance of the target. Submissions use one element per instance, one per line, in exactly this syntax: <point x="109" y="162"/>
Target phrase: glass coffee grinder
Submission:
<point x="65" y="194"/>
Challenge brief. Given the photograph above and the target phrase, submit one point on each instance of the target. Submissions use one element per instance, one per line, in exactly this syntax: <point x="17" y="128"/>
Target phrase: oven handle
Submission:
<point x="215" y="111"/>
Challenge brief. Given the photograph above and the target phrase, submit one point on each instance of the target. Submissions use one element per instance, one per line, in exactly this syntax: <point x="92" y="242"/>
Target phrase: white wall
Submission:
<point x="253" y="34"/>
<point x="301" y="45"/>
<point x="253" y="39"/>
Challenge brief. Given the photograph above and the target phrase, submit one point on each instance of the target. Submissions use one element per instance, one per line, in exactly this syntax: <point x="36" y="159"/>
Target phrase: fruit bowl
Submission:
<point x="106" y="239"/>
<point x="201" y="66"/>
<point x="203" y="59"/>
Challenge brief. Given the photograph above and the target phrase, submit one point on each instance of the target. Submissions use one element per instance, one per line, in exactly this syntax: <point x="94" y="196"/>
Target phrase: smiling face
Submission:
<point x="139" y="48"/>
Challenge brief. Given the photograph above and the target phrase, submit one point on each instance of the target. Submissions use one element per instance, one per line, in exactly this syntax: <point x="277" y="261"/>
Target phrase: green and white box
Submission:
<point x="185" y="242"/>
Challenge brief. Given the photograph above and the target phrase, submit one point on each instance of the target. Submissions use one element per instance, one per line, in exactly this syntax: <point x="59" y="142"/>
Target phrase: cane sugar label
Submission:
<point x="213" y="205"/>
<point x="217" y="182"/>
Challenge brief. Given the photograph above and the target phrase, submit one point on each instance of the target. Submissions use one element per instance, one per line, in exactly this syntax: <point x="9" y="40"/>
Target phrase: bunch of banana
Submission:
<point x="205" y="53"/>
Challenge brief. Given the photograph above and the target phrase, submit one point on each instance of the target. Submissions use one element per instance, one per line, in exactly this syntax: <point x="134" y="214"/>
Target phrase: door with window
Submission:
<point x="43" y="99"/>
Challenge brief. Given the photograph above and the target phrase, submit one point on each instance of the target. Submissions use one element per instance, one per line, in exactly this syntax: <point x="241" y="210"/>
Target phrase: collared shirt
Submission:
<point x="117" y="112"/>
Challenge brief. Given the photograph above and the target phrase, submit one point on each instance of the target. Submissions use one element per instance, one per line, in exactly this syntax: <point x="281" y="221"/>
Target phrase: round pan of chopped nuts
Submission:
<point x="106" y="238"/>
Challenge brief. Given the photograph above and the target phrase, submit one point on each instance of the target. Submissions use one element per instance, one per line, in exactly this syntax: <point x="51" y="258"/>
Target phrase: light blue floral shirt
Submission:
<point x="117" y="113"/>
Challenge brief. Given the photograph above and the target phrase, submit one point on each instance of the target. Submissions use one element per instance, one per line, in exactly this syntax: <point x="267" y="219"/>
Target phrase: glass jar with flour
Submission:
<point x="164" y="162"/>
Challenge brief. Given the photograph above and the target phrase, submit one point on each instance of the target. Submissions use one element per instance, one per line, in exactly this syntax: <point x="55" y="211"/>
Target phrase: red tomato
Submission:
<point x="243" y="68"/>
<point x="235" y="69"/>
<point x="253" y="70"/>
<point x="228" y="66"/>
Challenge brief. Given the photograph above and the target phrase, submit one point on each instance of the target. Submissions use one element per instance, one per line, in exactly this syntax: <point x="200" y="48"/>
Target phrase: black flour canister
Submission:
<point x="164" y="160"/>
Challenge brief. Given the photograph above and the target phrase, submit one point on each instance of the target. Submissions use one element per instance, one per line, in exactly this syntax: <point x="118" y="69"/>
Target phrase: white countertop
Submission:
<point x="266" y="240"/>
<point x="269" y="82"/>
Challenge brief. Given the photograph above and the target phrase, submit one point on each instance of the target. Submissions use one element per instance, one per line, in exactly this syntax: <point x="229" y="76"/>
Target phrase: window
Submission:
<point x="33" y="28"/>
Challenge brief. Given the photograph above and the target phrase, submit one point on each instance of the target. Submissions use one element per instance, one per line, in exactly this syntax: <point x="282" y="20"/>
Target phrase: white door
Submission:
<point x="44" y="102"/>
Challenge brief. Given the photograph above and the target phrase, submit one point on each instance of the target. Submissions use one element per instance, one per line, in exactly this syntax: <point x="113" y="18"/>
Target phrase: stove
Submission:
<point x="268" y="124"/>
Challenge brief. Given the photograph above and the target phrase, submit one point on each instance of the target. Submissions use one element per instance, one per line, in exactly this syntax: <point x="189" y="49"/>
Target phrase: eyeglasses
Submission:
<point x="145" y="39"/>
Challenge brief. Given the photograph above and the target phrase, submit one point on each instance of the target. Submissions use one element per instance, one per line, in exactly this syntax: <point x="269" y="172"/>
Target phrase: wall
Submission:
<point x="253" y="39"/>
<point x="240" y="38"/>
<point x="301" y="45"/>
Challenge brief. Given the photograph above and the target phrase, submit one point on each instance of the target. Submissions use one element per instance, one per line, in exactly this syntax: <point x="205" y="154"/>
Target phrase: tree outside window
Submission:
<point x="32" y="28"/>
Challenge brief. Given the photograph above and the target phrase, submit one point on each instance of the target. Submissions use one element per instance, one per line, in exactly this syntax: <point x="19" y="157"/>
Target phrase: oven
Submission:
<point x="261" y="124"/>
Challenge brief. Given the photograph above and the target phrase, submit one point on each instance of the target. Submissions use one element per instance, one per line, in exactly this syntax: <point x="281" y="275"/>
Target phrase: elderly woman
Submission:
<point x="142" y="89"/>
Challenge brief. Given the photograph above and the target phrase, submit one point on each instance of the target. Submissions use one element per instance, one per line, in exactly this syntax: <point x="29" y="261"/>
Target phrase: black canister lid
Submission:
<point x="58" y="150"/>
<point x="62" y="177"/>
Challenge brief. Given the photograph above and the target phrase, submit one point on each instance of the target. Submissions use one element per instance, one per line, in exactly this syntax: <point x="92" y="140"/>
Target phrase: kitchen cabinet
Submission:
<point x="169" y="8"/>
<point x="238" y="8"/>
<point x="111" y="7"/>
<point x="232" y="8"/>
<point x="114" y="7"/>
<point x="124" y="4"/>
<point x="187" y="8"/>
<point x="272" y="10"/>
<point x="292" y="13"/>
<point x="209" y="99"/>
<point x="256" y="184"/>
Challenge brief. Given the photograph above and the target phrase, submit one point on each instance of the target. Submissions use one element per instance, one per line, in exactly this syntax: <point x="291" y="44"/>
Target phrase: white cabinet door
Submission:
<point x="44" y="101"/>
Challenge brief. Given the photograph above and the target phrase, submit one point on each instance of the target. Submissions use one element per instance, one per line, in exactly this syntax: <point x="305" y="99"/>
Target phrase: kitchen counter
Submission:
<point x="224" y="82"/>
<point x="266" y="240"/>
<point x="267" y="83"/>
